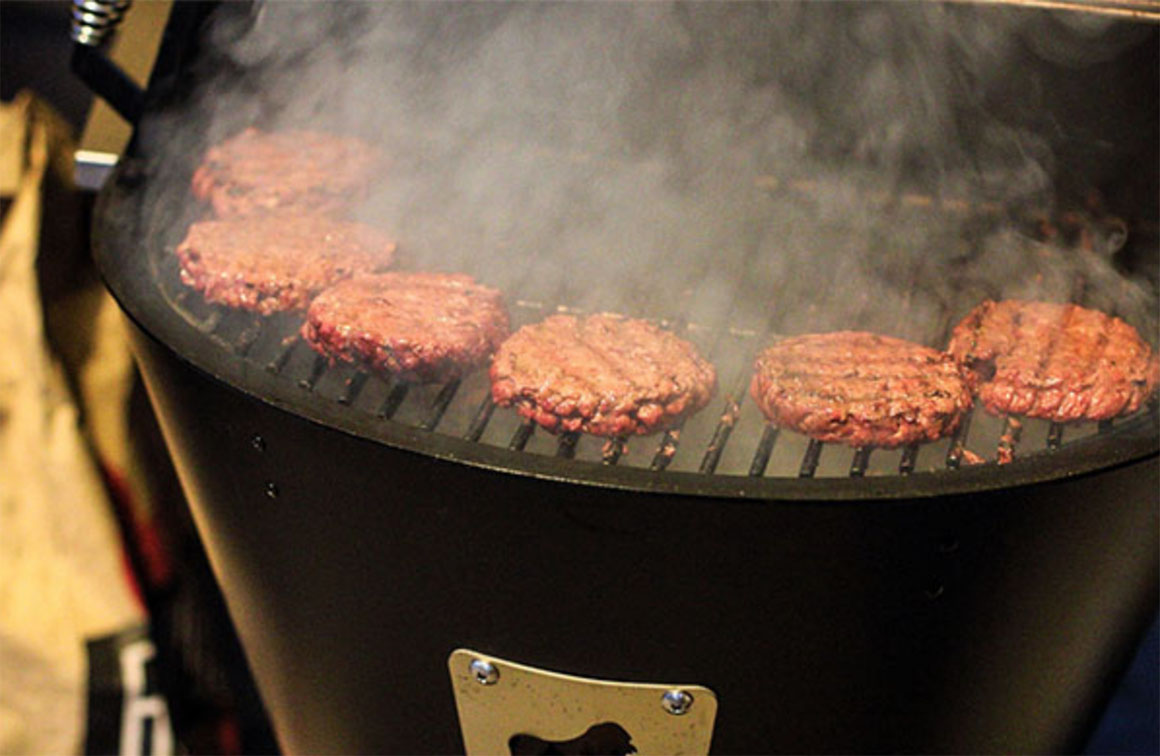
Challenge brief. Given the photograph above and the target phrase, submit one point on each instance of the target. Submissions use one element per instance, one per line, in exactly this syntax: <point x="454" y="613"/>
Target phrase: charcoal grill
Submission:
<point x="835" y="599"/>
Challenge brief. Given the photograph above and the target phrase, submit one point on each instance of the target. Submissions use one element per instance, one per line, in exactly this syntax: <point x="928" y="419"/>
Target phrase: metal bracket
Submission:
<point x="113" y="67"/>
<point x="505" y="707"/>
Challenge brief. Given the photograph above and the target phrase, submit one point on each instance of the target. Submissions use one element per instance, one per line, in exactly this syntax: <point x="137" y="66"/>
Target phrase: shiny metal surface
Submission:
<point x="1134" y="10"/>
<point x="485" y="672"/>
<point x="94" y="20"/>
<point x="677" y="702"/>
<point x="526" y="707"/>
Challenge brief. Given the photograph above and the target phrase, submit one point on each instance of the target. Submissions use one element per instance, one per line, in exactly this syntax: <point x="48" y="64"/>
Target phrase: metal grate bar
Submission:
<point x="481" y="419"/>
<point x="670" y="441"/>
<point x="1055" y="435"/>
<point x="279" y="361"/>
<point x="352" y="387"/>
<point x="729" y="417"/>
<point x="613" y="450"/>
<point x="521" y="436"/>
<point x="395" y="398"/>
<point x="861" y="461"/>
<point x="764" y="450"/>
<point x="248" y="335"/>
<point x="566" y="447"/>
<point x="666" y="450"/>
<point x="909" y="459"/>
<point x="316" y="370"/>
<point x="210" y="324"/>
<point x="1009" y="440"/>
<point x="720" y="436"/>
<point x="810" y="459"/>
<point x="958" y="442"/>
<point x="439" y="406"/>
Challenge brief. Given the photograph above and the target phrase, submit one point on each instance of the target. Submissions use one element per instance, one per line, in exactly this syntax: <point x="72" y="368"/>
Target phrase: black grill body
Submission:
<point x="994" y="621"/>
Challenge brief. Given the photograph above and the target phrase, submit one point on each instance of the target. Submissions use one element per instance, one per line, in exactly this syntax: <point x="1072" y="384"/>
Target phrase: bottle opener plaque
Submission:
<point x="510" y="708"/>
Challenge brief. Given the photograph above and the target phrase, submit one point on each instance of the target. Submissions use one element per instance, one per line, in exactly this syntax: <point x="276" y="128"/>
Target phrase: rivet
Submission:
<point x="271" y="490"/>
<point x="258" y="443"/>
<point x="676" y="702"/>
<point x="485" y="672"/>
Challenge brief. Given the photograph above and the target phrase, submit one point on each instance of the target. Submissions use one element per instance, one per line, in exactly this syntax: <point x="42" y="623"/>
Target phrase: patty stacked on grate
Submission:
<point x="272" y="263"/>
<point x="303" y="171"/>
<point x="605" y="374"/>
<point x="860" y="389"/>
<point x="424" y="327"/>
<point x="1058" y="362"/>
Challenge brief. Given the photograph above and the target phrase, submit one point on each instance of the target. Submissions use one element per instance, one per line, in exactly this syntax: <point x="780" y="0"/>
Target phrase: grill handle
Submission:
<point x="93" y="24"/>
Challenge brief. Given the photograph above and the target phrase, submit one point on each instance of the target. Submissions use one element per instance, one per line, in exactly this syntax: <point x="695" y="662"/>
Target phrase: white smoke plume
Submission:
<point x="790" y="166"/>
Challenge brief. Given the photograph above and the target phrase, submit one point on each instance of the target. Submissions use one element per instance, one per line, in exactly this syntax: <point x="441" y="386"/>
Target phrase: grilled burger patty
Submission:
<point x="1058" y="362"/>
<point x="424" y="327"/>
<point x="603" y="374"/>
<point x="860" y="389"/>
<point x="273" y="263"/>
<point x="306" y="171"/>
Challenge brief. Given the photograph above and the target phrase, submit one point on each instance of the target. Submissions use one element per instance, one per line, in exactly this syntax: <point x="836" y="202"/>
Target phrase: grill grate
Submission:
<point x="285" y="354"/>
<point x="737" y="441"/>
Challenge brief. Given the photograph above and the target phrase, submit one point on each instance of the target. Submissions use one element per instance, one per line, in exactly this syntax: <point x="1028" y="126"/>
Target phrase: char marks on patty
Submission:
<point x="860" y="389"/>
<point x="604" y="374"/>
<point x="1059" y="362"/>
<point x="423" y="327"/>
<point x="304" y="171"/>
<point x="273" y="263"/>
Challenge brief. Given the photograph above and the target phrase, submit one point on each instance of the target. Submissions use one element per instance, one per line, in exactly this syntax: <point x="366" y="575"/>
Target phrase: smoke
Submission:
<point x="783" y="166"/>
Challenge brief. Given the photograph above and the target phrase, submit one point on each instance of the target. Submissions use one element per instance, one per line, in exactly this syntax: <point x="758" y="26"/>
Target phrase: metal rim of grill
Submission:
<point x="266" y="358"/>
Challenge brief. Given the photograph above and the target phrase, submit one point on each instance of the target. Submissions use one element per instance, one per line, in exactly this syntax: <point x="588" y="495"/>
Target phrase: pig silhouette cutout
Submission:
<point x="604" y="739"/>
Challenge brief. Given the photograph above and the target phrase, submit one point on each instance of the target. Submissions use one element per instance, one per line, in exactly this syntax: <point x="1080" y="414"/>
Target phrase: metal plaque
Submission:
<point x="509" y="708"/>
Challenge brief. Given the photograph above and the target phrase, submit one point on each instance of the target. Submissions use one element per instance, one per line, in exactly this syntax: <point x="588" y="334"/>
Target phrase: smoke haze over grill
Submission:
<point x="806" y="167"/>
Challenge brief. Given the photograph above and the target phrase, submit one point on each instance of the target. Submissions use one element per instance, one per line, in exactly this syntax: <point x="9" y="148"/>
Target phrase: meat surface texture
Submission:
<point x="421" y="327"/>
<point x="860" y="389"/>
<point x="305" y="171"/>
<point x="604" y="374"/>
<point x="1059" y="362"/>
<point x="273" y="263"/>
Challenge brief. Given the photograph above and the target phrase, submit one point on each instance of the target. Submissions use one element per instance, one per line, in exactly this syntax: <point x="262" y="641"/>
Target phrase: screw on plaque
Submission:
<point x="258" y="442"/>
<point x="677" y="702"/>
<point x="271" y="490"/>
<point x="485" y="672"/>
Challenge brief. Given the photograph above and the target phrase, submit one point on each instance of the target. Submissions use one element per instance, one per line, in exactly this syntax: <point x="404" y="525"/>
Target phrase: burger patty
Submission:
<point x="423" y="327"/>
<point x="860" y="389"/>
<point x="1058" y="362"/>
<point x="273" y="263"/>
<point x="605" y="374"/>
<point x="306" y="171"/>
